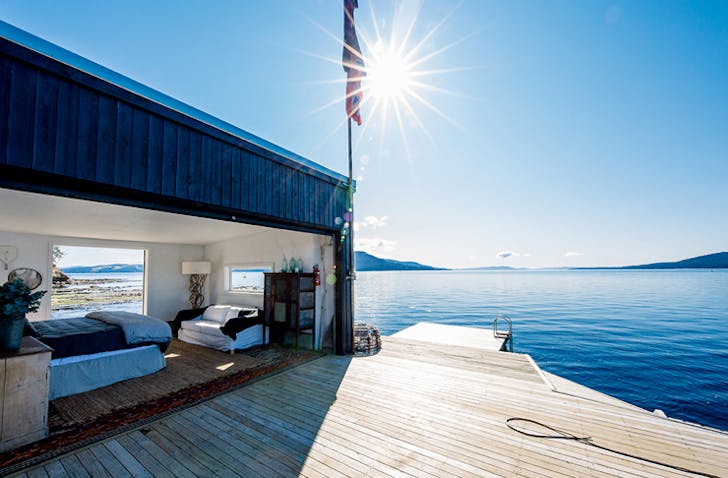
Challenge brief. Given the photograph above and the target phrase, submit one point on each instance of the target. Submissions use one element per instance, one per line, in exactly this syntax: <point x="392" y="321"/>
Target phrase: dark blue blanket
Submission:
<point x="82" y="336"/>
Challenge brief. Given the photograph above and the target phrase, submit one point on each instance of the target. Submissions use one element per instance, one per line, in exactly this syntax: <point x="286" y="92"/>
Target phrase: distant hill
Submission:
<point x="491" y="268"/>
<point x="105" y="268"/>
<point x="718" y="260"/>
<point x="368" y="262"/>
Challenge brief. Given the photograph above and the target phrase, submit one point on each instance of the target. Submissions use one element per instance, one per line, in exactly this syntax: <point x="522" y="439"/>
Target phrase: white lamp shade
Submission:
<point x="196" y="267"/>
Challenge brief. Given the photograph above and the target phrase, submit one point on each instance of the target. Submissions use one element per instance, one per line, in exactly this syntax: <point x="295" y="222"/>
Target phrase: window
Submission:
<point x="90" y="278"/>
<point x="246" y="278"/>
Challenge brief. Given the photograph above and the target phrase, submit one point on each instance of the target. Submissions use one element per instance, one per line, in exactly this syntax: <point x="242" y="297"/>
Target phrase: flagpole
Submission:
<point x="351" y="274"/>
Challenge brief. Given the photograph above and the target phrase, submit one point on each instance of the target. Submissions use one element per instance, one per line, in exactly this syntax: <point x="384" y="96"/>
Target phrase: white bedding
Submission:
<point x="137" y="327"/>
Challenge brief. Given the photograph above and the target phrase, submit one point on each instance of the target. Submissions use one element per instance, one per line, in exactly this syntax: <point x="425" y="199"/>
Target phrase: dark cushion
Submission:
<point x="29" y="329"/>
<point x="244" y="320"/>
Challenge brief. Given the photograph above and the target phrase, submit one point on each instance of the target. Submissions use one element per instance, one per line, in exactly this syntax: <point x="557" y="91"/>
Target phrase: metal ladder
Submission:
<point x="499" y="333"/>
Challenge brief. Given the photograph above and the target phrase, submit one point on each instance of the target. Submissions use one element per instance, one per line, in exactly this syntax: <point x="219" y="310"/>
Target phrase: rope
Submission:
<point x="587" y="440"/>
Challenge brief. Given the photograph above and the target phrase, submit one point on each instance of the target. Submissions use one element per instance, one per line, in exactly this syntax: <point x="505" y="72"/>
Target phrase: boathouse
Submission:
<point x="92" y="158"/>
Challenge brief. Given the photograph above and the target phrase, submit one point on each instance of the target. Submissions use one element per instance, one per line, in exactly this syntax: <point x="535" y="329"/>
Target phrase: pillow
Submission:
<point x="217" y="313"/>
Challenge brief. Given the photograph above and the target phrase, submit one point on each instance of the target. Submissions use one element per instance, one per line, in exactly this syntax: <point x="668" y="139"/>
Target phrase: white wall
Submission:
<point x="165" y="286"/>
<point x="269" y="246"/>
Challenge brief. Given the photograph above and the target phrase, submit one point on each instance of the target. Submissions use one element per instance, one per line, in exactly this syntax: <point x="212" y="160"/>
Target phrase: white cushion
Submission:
<point x="202" y="326"/>
<point x="217" y="313"/>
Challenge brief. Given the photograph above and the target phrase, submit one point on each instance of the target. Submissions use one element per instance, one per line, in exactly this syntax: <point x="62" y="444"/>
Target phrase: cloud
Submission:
<point x="372" y="222"/>
<point x="373" y="244"/>
<point x="505" y="254"/>
<point x="573" y="254"/>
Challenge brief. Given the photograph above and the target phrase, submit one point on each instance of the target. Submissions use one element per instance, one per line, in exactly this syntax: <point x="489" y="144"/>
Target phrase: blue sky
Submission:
<point x="574" y="133"/>
<point x="91" y="256"/>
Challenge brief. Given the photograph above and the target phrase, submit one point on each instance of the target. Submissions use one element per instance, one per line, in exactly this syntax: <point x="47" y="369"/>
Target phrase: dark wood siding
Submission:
<point x="65" y="124"/>
<point x="65" y="132"/>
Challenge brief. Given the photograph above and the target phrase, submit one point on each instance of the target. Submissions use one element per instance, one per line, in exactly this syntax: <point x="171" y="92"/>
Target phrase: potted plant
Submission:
<point x="16" y="300"/>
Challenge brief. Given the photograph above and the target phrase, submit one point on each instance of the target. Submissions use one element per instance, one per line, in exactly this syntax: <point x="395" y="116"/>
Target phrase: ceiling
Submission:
<point x="34" y="213"/>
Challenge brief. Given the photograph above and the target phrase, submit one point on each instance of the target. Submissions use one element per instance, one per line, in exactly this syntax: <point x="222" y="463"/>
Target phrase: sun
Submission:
<point x="389" y="75"/>
<point x="397" y="83"/>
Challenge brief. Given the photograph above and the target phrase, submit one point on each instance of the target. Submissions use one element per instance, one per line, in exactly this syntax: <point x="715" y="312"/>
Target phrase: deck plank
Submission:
<point x="109" y="462"/>
<point x="148" y="461"/>
<point x="55" y="469"/>
<point x="127" y="459"/>
<point x="74" y="467"/>
<point x="92" y="465"/>
<point x="170" y="463"/>
<point x="173" y="445"/>
<point x="37" y="472"/>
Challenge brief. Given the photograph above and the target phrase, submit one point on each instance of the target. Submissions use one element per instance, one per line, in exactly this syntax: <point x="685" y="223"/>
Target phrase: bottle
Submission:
<point x="284" y="265"/>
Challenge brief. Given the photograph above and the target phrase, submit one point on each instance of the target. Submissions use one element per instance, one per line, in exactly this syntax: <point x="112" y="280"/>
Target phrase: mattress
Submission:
<point x="79" y="336"/>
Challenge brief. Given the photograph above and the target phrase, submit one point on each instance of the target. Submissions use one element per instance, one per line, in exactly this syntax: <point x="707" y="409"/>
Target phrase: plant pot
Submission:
<point x="11" y="332"/>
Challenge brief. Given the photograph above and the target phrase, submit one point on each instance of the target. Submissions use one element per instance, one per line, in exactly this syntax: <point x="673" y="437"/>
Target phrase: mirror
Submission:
<point x="31" y="277"/>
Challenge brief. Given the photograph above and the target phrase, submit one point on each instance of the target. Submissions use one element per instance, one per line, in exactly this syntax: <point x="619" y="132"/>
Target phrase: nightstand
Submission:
<point x="24" y="394"/>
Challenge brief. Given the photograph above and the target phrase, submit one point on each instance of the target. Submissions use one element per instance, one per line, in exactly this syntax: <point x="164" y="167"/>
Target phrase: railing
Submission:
<point x="500" y="333"/>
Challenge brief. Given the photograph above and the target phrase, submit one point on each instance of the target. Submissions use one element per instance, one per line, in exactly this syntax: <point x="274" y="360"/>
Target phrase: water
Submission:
<point x="120" y="281"/>
<point x="133" y="280"/>
<point x="657" y="339"/>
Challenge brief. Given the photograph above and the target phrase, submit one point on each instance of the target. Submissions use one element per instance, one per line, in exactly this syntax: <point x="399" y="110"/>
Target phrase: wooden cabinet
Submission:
<point x="290" y="308"/>
<point x="24" y="394"/>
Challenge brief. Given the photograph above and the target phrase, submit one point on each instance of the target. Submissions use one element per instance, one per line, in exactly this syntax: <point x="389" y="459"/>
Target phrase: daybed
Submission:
<point x="101" y="348"/>
<point x="222" y="327"/>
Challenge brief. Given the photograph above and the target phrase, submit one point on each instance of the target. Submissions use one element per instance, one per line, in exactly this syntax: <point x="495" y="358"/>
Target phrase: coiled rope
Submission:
<point x="562" y="435"/>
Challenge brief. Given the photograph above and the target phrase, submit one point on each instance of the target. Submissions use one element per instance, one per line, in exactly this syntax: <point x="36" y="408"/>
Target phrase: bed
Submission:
<point x="102" y="348"/>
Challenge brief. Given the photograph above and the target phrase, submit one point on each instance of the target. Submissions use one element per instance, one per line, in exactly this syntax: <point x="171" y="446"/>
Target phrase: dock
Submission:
<point x="455" y="335"/>
<point x="417" y="408"/>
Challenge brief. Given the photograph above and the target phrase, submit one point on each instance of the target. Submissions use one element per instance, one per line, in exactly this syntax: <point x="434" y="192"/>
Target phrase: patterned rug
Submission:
<point x="193" y="374"/>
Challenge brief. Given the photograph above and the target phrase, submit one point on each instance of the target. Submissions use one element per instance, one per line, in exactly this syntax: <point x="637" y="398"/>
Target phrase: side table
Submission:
<point x="24" y="394"/>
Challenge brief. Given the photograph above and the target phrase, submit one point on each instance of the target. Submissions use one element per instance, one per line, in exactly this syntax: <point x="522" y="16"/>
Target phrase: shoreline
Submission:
<point x="81" y="293"/>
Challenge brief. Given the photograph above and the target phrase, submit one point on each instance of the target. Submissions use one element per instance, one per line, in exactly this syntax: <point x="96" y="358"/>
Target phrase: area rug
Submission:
<point x="193" y="374"/>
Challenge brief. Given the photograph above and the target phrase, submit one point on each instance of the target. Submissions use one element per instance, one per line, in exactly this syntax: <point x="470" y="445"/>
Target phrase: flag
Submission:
<point x="353" y="63"/>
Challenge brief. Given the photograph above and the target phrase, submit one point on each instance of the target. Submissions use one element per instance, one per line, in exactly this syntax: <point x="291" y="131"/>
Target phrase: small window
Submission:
<point x="247" y="279"/>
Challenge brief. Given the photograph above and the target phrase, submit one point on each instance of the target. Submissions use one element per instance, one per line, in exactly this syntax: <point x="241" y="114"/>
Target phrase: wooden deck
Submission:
<point x="415" y="409"/>
<point x="478" y="338"/>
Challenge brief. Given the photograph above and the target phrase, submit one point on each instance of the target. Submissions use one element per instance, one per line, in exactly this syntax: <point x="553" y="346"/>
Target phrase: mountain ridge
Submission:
<point x="367" y="262"/>
<point x="103" y="268"/>
<point x="718" y="260"/>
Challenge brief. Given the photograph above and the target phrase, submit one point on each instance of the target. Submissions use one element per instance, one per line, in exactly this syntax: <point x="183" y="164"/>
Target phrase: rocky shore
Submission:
<point x="79" y="293"/>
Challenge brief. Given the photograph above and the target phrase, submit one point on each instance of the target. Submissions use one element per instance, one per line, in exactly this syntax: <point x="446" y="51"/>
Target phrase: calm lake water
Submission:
<point x="657" y="339"/>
